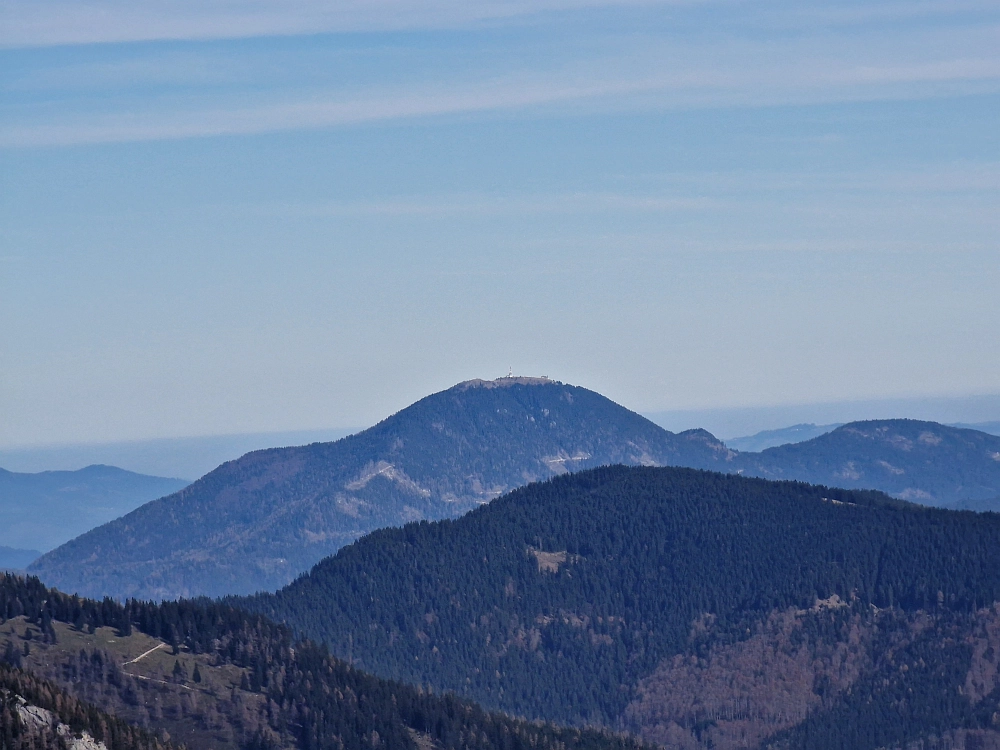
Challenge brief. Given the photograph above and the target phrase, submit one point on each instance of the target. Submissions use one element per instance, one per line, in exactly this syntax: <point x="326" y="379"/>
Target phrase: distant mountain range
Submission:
<point x="993" y="428"/>
<point x="41" y="511"/>
<point x="257" y="522"/>
<point x="697" y="609"/>
<point x="184" y="457"/>
<point x="783" y="436"/>
<point x="923" y="462"/>
<point x="12" y="558"/>
<point x="730" y="422"/>
<point x="801" y="432"/>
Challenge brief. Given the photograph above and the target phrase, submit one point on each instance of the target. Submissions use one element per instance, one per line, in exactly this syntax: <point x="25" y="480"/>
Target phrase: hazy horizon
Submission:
<point x="191" y="456"/>
<point x="223" y="219"/>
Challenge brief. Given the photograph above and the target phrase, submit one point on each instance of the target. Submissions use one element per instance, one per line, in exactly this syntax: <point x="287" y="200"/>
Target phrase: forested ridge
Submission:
<point x="17" y="732"/>
<point x="555" y="600"/>
<point x="257" y="522"/>
<point x="307" y="698"/>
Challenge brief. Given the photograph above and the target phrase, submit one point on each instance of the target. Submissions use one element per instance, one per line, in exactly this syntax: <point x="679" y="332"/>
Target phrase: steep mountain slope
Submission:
<point x="257" y="522"/>
<point x="42" y="511"/>
<point x="218" y="679"/>
<point x="924" y="462"/>
<point x="558" y="600"/>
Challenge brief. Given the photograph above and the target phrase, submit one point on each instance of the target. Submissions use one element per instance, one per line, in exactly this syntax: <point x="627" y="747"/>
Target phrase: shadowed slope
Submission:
<point x="924" y="462"/>
<point x="556" y="600"/>
<point x="257" y="522"/>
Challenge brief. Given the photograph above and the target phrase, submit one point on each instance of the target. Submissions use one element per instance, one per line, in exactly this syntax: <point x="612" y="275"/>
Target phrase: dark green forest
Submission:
<point x="915" y="689"/>
<point x="313" y="700"/>
<point x="18" y="734"/>
<point x="553" y="601"/>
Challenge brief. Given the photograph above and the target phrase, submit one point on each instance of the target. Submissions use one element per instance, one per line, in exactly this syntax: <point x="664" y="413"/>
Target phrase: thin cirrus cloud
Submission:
<point x="307" y="114"/>
<point x="488" y="205"/>
<point x="29" y="23"/>
<point x="632" y="86"/>
<point x="32" y="23"/>
<point x="150" y="92"/>
<point x="682" y="192"/>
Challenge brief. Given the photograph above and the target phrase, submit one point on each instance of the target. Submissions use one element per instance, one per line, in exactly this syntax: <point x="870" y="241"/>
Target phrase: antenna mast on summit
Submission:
<point x="510" y="371"/>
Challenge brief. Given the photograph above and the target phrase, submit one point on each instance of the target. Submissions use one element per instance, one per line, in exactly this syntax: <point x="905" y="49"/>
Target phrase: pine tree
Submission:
<point x="11" y="655"/>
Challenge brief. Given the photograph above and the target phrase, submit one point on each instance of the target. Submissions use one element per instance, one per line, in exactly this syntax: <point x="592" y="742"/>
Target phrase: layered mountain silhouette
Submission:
<point x="765" y="439"/>
<point x="924" y="462"/>
<point x="41" y="511"/>
<point x="12" y="558"/>
<point x="697" y="609"/>
<point x="257" y="522"/>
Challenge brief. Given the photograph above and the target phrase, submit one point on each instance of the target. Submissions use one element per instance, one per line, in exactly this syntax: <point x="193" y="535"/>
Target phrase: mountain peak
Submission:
<point x="257" y="522"/>
<point x="504" y="382"/>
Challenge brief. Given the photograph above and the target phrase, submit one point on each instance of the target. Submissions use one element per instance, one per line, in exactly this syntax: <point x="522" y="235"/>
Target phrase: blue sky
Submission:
<point x="230" y="217"/>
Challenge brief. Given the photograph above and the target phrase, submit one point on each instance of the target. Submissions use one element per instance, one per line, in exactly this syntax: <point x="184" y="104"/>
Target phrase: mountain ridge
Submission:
<point x="606" y="596"/>
<point x="42" y="510"/>
<point x="898" y="456"/>
<point x="257" y="522"/>
<point x="222" y="679"/>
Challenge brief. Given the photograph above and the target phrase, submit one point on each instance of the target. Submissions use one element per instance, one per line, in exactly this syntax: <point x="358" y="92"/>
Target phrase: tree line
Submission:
<point x="311" y="700"/>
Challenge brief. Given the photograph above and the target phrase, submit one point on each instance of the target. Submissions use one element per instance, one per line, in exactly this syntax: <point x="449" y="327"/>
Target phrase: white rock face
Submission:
<point x="40" y="718"/>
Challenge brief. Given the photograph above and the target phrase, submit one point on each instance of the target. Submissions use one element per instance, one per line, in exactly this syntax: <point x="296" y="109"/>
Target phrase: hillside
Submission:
<point x="215" y="678"/>
<point x="36" y="714"/>
<point x="925" y="462"/>
<point x="41" y="511"/>
<point x="257" y="522"/>
<point x="604" y="596"/>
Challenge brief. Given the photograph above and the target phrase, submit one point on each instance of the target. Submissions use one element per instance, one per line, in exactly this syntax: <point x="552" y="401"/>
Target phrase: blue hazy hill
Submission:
<point x="41" y="511"/>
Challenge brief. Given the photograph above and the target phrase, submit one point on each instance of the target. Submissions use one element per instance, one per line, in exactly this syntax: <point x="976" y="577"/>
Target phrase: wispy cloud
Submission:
<point x="308" y="114"/>
<point x="486" y="205"/>
<point x="32" y="23"/>
<point x="204" y="90"/>
<point x="27" y="23"/>
<point x="627" y="88"/>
